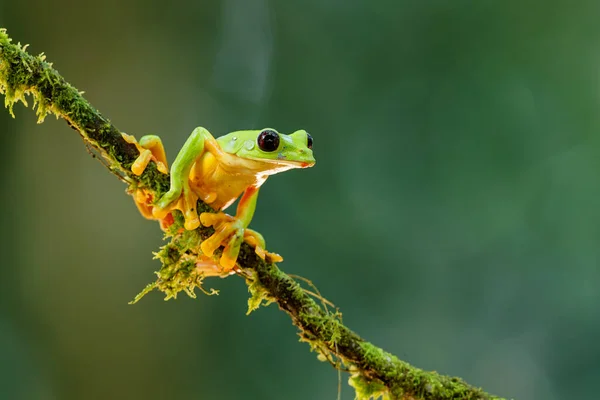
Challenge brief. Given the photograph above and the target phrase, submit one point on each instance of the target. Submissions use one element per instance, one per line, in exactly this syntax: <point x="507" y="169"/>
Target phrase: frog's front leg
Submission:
<point x="232" y="231"/>
<point x="180" y="196"/>
<point x="151" y="149"/>
<point x="229" y="231"/>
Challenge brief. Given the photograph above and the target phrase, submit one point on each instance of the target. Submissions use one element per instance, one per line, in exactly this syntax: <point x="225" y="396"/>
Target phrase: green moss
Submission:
<point x="18" y="73"/>
<point x="258" y="296"/>
<point x="23" y="75"/>
<point x="403" y="379"/>
<point x="367" y="389"/>
<point x="176" y="276"/>
<point x="178" y="272"/>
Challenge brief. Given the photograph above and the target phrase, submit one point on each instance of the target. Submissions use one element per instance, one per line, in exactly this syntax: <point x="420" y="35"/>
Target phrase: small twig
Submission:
<point x="375" y="373"/>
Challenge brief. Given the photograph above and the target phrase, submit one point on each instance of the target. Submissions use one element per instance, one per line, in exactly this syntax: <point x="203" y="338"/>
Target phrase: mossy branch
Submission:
<point x="374" y="372"/>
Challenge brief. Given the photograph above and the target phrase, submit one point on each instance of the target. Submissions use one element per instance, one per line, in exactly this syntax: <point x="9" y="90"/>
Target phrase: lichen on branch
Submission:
<point x="374" y="372"/>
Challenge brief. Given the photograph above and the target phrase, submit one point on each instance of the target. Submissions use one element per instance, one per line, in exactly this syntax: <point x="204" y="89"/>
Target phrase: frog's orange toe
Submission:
<point x="209" y="246"/>
<point x="232" y="250"/>
<point x="214" y="219"/>
<point x="191" y="223"/>
<point x="273" y="257"/>
<point x="227" y="262"/>
<point x="257" y="241"/>
<point x="267" y="256"/>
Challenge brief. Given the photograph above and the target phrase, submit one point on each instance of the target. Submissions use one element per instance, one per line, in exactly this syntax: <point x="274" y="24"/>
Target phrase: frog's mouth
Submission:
<point x="303" y="162"/>
<point x="293" y="164"/>
<point x="276" y="165"/>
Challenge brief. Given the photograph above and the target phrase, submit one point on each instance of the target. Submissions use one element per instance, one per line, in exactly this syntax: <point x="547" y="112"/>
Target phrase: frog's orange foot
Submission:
<point x="208" y="267"/>
<point x="229" y="232"/>
<point x="257" y="241"/>
<point x="166" y="222"/>
<point x="143" y="201"/>
<point x="184" y="200"/>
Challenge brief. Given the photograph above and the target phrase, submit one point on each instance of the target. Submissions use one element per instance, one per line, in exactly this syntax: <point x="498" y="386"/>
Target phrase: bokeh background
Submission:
<point x="453" y="214"/>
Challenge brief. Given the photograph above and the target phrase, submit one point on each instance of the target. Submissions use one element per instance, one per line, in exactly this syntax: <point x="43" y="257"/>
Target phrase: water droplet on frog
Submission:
<point x="249" y="145"/>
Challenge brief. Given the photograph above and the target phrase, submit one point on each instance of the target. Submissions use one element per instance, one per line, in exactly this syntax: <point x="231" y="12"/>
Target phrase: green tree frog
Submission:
<point x="218" y="171"/>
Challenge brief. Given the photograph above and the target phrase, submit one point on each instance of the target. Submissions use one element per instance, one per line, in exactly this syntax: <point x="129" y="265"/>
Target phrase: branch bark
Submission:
<point x="374" y="372"/>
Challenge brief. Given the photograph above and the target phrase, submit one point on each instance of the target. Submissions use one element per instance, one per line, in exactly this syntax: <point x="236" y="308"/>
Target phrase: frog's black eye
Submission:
<point x="308" y="141"/>
<point x="268" y="140"/>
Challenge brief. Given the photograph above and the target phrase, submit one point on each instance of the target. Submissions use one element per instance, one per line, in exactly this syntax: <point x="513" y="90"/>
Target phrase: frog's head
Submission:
<point x="277" y="151"/>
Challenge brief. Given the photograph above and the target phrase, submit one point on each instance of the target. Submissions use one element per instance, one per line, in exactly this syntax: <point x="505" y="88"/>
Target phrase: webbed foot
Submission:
<point x="184" y="200"/>
<point x="229" y="232"/>
<point x="209" y="267"/>
<point x="257" y="241"/>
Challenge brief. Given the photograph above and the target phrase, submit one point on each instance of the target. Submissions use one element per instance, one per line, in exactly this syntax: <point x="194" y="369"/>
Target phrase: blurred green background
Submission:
<point x="453" y="214"/>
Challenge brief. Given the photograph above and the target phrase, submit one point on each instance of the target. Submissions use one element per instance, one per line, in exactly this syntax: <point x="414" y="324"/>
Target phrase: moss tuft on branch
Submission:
<point x="374" y="372"/>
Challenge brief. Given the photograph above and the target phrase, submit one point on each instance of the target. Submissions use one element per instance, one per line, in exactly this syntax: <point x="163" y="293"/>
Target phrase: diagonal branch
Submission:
<point x="374" y="372"/>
